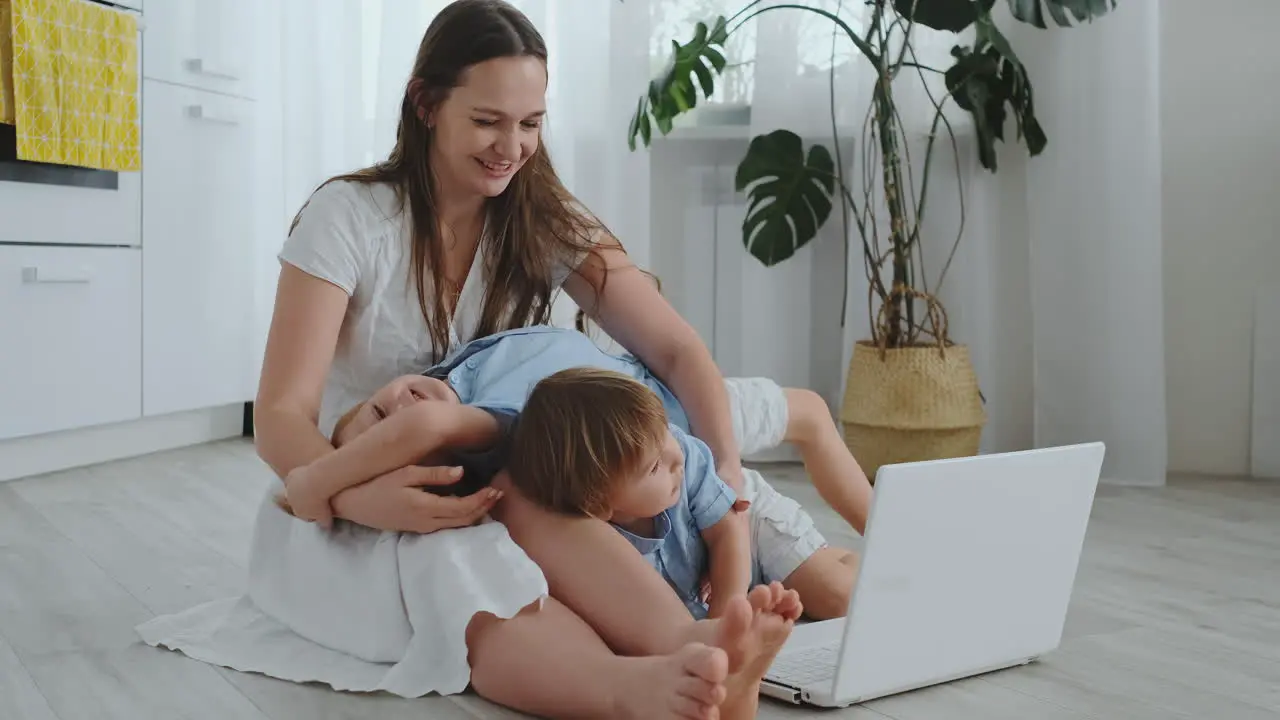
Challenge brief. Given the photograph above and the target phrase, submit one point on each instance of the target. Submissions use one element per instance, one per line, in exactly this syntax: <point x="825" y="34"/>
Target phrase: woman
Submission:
<point x="465" y="230"/>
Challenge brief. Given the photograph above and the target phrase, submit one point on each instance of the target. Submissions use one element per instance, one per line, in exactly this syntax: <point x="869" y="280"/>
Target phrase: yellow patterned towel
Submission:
<point x="75" y="84"/>
<point x="6" y="63"/>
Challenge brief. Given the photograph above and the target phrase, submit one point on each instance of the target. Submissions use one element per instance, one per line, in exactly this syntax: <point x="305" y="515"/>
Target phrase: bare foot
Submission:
<point x="778" y="599"/>
<point x="730" y="629"/>
<point x="731" y="632"/>
<point x="774" y="612"/>
<point x="688" y="685"/>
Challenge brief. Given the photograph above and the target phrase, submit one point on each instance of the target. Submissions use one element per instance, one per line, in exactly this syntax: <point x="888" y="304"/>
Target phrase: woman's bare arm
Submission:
<point x="405" y="438"/>
<point x="300" y="347"/>
<point x="634" y="313"/>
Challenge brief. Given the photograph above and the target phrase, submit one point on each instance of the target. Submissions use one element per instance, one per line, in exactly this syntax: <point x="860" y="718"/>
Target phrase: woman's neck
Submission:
<point x="460" y="214"/>
<point x="456" y="210"/>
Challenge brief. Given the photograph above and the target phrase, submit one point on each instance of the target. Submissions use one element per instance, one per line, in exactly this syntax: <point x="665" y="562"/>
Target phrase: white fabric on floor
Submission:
<point x="357" y="609"/>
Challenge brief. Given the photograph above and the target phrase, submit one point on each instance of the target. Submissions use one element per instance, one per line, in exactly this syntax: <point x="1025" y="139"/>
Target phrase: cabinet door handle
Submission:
<point x="202" y="66"/>
<point x="34" y="276"/>
<point x="200" y="112"/>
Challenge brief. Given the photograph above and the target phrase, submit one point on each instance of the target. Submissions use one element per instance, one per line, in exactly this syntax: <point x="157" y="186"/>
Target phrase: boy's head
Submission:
<point x="393" y="397"/>
<point x="596" y="442"/>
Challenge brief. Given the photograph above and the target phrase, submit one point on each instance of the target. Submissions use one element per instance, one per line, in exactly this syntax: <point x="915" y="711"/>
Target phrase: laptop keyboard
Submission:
<point x="805" y="667"/>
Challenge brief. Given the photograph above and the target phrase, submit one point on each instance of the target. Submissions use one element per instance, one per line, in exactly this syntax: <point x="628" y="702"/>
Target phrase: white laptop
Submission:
<point x="968" y="567"/>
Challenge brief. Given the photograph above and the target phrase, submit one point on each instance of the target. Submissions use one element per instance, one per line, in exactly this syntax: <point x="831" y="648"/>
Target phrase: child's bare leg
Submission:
<point x="788" y="546"/>
<point x="548" y="662"/>
<point x="599" y="576"/>
<point x="831" y="467"/>
<point x="825" y="582"/>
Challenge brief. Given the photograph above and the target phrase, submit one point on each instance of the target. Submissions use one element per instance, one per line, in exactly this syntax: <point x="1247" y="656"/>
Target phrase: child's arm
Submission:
<point x="400" y="440"/>
<point x="725" y="532"/>
<point x="729" y="557"/>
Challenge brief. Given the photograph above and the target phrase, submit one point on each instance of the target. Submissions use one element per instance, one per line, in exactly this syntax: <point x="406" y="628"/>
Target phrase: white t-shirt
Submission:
<point x="354" y="236"/>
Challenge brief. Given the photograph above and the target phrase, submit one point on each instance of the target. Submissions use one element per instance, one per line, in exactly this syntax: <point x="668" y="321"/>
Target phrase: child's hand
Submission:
<point x="304" y="500"/>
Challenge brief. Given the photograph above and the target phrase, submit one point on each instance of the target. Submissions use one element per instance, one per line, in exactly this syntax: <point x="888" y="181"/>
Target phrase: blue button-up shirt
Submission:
<point x="677" y="549"/>
<point x="499" y="371"/>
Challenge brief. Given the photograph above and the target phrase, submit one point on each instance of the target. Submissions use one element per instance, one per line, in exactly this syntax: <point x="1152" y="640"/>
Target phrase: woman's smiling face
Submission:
<point x="488" y="126"/>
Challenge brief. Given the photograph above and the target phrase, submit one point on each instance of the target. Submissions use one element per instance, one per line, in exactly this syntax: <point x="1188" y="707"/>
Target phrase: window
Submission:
<point x="810" y="43"/>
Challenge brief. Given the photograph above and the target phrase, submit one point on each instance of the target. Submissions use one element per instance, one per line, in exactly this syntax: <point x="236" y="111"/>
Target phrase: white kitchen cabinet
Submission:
<point x="198" y="260"/>
<point x="203" y="44"/>
<point x="70" y="338"/>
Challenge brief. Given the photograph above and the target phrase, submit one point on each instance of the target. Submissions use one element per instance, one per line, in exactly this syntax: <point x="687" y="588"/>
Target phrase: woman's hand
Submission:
<point x="397" y="502"/>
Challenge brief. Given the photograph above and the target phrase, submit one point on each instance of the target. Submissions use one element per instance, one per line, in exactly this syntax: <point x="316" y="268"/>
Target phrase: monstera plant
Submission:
<point x="791" y="189"/>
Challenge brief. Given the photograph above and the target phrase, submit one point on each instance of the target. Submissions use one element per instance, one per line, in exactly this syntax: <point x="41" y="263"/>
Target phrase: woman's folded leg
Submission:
<point x="548" y="662"/>
<point x="598" y="575"/>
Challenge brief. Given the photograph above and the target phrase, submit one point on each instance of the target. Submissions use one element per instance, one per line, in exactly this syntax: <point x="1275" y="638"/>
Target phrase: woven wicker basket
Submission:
<point x="911" y="404"/>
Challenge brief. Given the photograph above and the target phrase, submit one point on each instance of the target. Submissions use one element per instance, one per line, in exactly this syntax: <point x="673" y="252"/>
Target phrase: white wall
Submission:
<point x="1221" y="136"/>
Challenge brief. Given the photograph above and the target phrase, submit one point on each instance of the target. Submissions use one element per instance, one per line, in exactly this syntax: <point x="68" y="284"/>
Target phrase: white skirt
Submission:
<point x="357" y="609"/>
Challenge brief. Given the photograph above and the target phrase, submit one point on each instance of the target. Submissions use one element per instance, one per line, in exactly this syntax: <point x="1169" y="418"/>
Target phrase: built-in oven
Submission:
<point x="70" y="296"/>
<point x="49" y="204"/>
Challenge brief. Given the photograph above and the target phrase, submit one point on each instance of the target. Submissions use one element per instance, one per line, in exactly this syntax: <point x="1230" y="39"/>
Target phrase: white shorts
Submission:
<point x="758" y="407"/>
<point x="783" y="535"/>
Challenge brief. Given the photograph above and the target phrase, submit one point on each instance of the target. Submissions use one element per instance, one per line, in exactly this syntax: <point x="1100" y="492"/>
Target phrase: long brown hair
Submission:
<point x="583" y="432"/>
<point x="533" y="226"/>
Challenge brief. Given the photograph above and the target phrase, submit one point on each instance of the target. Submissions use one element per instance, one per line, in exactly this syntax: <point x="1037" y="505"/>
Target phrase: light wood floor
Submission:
<point x="1176" y="612"/>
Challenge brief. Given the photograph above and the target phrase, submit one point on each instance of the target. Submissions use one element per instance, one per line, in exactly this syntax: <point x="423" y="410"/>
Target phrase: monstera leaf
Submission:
<point x="957" y="15"/>
<point x="949" y="15"/>
<point x="788" y="194"/>
<point x="1032" y="11"/>
<point x="674" y="92"/>
<point x="984" y="83"/>
<point x="988" y="80"/>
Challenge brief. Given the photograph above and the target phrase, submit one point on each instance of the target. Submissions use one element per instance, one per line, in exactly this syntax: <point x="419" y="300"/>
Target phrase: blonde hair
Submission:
<point x="581" y="433"/>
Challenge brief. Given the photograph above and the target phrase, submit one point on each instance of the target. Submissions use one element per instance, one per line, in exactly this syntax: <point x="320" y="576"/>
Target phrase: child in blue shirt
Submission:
<point x="598" y="443"/>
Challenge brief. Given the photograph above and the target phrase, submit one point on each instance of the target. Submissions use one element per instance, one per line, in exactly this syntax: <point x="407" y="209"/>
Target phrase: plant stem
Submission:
<point x="863" y="46"/>
<point x="900" y="303"/>
<point x="844" y="199"/>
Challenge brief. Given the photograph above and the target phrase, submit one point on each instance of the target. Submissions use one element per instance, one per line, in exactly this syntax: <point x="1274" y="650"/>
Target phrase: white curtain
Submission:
<point x="1056" y="284"/>
<point x="1094" y="216"/>
<point x="346" y="62"/>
